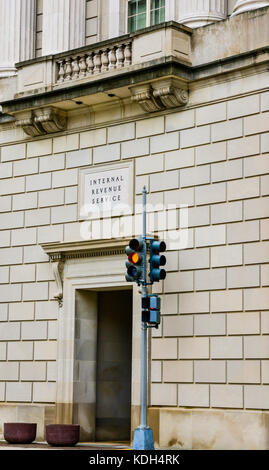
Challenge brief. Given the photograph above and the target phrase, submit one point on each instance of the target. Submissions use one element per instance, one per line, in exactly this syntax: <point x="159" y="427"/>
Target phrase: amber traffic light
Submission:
<point x="135" y="262"/>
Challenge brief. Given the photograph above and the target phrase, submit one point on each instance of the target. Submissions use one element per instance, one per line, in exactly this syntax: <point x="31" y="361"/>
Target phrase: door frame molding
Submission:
<point x="92" y="265"/>
<point x="82" y="274"/>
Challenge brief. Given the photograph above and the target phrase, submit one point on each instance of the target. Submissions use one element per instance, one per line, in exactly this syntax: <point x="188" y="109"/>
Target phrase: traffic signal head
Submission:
<point x="135" y="262"/>
<point x="151" y="310"/>
<point x="156" y="260"/>
<point x="154" y="310"/>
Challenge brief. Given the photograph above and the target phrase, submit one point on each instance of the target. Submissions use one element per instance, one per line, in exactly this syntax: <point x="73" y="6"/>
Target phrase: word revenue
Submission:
<point x="98" y="194"/>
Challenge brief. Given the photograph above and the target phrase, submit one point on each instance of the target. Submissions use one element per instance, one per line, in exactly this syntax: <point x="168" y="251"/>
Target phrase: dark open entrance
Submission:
<point x="113" y="374"/>
<point x="102" y="365"/>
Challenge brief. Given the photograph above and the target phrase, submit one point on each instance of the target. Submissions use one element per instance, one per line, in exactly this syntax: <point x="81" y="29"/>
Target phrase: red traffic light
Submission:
<point x="136" y="244"/>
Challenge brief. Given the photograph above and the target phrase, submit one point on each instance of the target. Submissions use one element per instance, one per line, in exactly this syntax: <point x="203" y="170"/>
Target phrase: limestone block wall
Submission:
<point x="212" y="349"/>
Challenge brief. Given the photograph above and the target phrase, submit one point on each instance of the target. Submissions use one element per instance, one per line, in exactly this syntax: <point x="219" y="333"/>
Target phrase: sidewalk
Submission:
<point x="80" y="446"/>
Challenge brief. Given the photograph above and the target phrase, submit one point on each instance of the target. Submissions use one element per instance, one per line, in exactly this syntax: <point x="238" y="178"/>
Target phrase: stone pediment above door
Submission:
<point x="60" y="252"/>
<point x="84" y="249"/>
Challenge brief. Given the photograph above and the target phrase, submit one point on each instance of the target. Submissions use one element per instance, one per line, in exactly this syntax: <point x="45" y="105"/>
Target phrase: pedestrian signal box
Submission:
<point x="151" y="310"/>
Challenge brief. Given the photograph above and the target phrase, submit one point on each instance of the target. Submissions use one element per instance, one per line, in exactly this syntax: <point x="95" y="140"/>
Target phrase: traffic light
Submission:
<point x="135" y="262"/>
<point x="156" y="260"/>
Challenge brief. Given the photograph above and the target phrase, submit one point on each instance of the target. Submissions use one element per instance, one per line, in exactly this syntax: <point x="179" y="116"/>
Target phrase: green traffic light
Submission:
<point x="134" y="272"/>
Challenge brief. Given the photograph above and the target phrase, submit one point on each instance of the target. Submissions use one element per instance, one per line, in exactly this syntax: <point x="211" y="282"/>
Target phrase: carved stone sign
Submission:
<point x="106" y="191"/>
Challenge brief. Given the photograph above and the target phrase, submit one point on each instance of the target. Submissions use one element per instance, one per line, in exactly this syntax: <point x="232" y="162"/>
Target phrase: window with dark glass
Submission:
<point x="143" y="13"/>
<point x="157" y="11"/>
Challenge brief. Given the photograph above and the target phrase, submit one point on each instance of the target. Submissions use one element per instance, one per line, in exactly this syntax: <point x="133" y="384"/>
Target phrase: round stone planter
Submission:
<point x="62" y="434"/>
<point x="20" y="433"/>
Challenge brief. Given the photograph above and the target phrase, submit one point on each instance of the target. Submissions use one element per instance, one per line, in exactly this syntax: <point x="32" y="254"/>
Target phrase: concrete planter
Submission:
<point x="62" y="434"/>
<point x="20" y="433"/>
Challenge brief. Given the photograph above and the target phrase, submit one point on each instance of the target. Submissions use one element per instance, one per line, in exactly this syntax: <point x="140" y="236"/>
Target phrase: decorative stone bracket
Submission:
<point x="42" y="121"/>
<point x="57" y="262"/>
<point x="169" y="93"/>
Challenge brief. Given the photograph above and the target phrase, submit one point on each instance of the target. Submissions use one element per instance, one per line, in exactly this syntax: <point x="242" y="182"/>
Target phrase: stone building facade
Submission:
<point x="173" y="95"/>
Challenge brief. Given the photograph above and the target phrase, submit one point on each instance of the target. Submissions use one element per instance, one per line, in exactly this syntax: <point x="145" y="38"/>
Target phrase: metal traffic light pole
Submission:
<point x="143" y="392"/>
<point x="143" y="436"/>
<point x="137" y="267"/>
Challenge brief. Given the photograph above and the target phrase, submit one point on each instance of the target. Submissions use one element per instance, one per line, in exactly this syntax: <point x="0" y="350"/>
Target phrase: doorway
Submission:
<point x="113" y="375"/>
<point x="102" y="364"/>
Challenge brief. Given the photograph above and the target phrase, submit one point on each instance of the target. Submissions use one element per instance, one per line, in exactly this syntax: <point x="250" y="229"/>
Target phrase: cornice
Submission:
<point x="158" y="69"/>
<point x="62" y="251"/>
<point x="85" y="249"/>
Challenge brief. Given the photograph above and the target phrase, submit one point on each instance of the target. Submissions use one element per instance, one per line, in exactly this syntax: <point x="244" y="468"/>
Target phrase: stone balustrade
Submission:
<point x="94" y="62"/>
<point x="132" y="53"/>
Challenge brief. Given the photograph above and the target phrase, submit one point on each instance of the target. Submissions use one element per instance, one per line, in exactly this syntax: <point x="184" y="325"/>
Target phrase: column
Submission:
<point x="170" y="10"/>
<point x="196" y="13"/>
<point x="63" y="25"/>
<point x="17" y="33"/>
<point x="117" y="13"/>
<point x="245" y="5"/>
